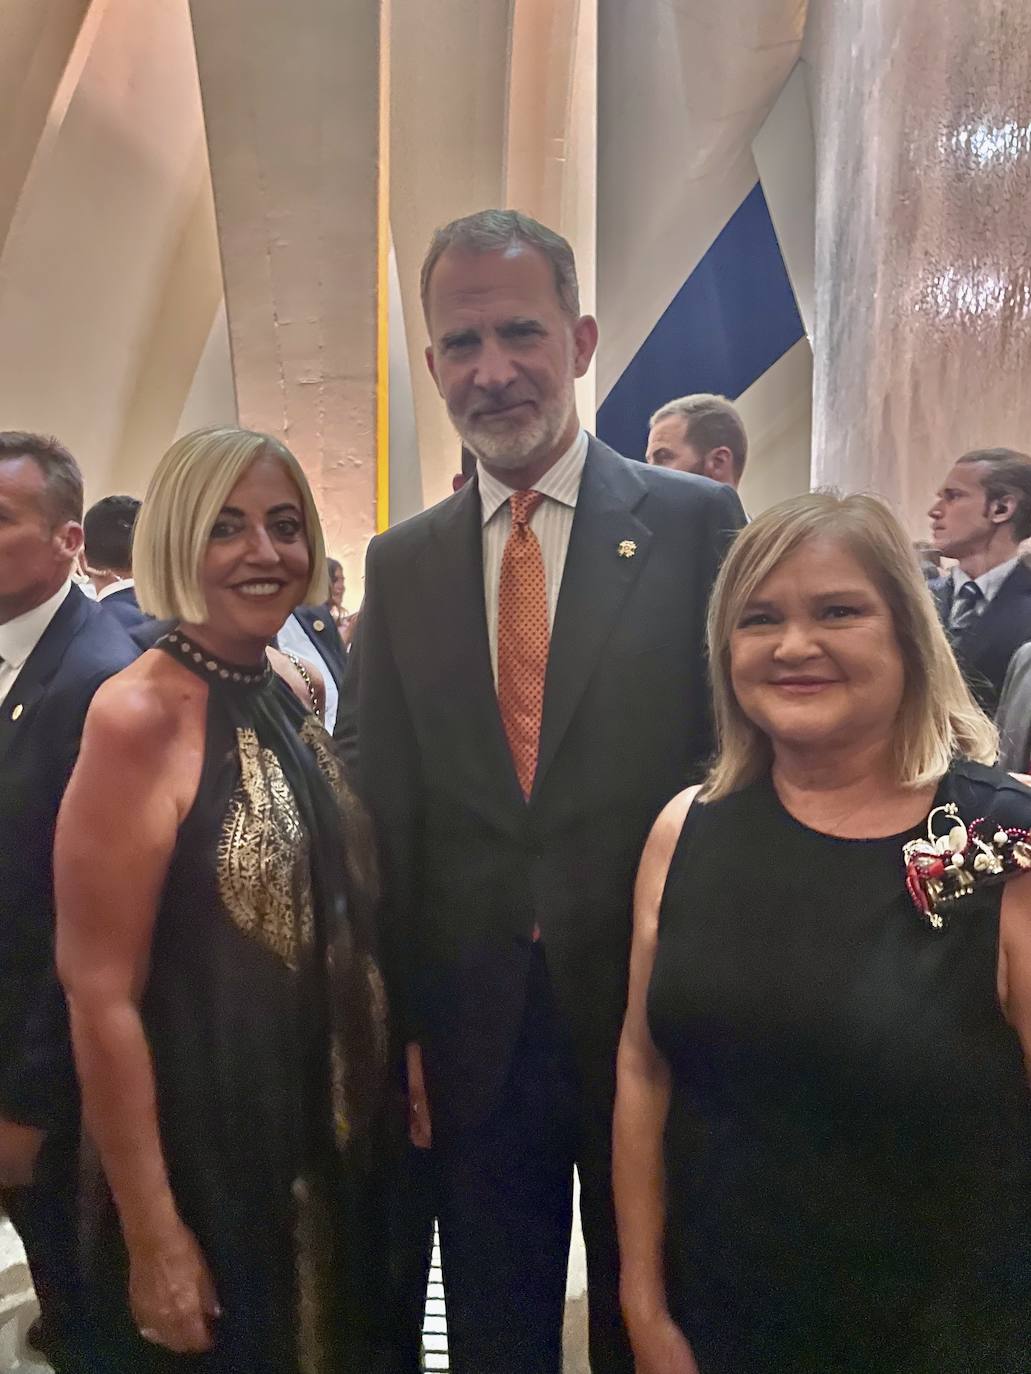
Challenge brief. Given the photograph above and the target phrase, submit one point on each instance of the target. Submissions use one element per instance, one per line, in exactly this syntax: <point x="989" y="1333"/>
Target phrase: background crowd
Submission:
<point x="317" y="927"/>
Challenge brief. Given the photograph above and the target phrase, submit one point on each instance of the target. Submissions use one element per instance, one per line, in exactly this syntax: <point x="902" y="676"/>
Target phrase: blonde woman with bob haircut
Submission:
<point x="822" y="1151"/>
<point x="226" y="1014"/>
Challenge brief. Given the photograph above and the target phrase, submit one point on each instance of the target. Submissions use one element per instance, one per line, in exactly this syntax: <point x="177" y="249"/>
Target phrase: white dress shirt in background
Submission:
<point x="20" y="636"/>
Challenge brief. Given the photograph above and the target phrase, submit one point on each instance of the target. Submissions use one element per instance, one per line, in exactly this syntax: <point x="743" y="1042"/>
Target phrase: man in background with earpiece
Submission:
<point x="980" y="516"/>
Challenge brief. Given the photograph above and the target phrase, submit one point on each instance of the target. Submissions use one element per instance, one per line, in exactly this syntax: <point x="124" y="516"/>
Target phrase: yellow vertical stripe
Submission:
<point x="383" y="280"/>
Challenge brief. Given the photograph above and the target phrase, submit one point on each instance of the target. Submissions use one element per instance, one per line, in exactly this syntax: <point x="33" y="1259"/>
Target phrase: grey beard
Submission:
<point x="517" y="450"/>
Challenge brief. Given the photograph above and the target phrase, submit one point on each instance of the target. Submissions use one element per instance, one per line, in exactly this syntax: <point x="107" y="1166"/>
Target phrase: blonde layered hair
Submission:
<point x="938" y="718"/>
<point x="191" y="485"/>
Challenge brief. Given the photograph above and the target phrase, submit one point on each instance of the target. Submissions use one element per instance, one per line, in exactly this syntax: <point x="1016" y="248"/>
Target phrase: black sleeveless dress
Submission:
<point x="249" y="1078"/>
<point x="848" y="1149"/>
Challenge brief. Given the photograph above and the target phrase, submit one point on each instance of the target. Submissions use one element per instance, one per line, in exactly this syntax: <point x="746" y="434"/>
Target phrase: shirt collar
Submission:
<point x="20" y="636"/>
<point x="560" y="483"/>
<point x="123" y="584"/>
<point x="989" y="582"/>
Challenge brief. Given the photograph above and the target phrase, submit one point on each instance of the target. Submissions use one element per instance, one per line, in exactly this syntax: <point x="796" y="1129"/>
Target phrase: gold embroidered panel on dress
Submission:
<point x="314" y="735"/>
<point x="264" y="874"/>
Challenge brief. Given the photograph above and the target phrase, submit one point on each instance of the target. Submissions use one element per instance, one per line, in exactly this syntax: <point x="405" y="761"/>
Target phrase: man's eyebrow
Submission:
<point x="459" y="336"/>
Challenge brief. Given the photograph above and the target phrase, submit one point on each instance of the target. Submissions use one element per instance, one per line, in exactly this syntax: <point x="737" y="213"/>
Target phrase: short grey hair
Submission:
<point x="63" y="496"/>
<point x="712" y="422"/>
<point x="492" y="231"/>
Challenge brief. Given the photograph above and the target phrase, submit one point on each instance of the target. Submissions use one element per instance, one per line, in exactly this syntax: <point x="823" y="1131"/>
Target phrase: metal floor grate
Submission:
<point x="434" y="1327"/>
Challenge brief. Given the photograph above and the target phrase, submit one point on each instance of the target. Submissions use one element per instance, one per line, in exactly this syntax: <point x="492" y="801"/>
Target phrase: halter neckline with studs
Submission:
<point x="205" y="664"/>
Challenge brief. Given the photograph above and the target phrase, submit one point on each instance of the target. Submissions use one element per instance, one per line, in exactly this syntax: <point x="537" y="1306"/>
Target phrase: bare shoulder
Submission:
<point x="140" y="714"/>
<point x="670" y="822"/>
<point x="658" y="854"/>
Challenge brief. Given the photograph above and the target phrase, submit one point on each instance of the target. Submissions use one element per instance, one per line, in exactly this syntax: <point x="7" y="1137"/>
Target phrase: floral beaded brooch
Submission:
<point x="943" y="869"/>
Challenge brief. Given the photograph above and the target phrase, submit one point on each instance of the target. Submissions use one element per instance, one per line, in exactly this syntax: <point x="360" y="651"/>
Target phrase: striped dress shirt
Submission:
<point x="551" y="522"/>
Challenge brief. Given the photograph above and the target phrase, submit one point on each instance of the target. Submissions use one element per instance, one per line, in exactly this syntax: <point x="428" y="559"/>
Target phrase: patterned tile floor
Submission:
<point x="434" y="1327"/>
<point x="18" y="1308"/>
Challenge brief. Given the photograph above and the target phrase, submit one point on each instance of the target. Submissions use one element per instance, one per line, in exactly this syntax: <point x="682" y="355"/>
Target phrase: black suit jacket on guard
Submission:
<point x="469" y="866"/>
<point x="125" y="608"/>
<point x="985" y="649"/>
<point x="320" y="627"/>
<point x="41" y="722"/>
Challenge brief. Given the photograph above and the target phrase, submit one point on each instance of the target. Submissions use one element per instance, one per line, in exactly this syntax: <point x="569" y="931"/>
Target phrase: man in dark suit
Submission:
<point x="107" y="530"/>
<point x="1014" y="714"/>
<point x="980" y="516"/>
<point x="311" y="633"/>
<point x="532" y="690"/>
<point x="322" y="630"/>
<point x="56" y="647"/>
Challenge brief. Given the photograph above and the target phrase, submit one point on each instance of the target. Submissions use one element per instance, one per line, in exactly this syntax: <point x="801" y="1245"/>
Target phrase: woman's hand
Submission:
<point x="171" y="1292"/>
<point x="660" y="1347"/>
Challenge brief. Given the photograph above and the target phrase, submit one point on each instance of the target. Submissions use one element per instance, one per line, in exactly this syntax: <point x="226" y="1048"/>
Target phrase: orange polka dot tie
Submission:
<point x="522" y="638"/>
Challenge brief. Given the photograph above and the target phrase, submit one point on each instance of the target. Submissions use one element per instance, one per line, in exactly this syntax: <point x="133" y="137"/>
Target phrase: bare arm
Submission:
<point x="135" y="778"/>
<point x="642" y="1104"/>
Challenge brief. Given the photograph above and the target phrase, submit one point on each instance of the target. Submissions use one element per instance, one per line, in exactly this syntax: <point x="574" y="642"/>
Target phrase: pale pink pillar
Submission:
<point x="291" y="105"/>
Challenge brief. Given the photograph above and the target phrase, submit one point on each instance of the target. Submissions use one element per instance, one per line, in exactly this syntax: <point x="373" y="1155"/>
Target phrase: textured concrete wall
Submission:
<point x="291" y="106"/>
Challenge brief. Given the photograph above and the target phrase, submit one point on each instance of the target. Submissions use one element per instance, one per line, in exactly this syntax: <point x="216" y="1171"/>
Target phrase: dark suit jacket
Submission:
<point x="985" y="649"/>
<point x="469" y="866"/>
<point x="41" y="723"/>
<point x="1014" y="714"/>
<point x="125" y="608"/>
<point x="321" y="629"/>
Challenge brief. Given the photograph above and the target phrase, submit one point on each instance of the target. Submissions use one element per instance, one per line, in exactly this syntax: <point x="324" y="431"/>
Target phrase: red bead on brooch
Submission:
<point x="946" y="867"/>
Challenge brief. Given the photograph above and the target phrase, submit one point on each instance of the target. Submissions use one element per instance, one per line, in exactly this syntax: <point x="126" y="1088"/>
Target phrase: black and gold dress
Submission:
<point x="264" y="1017"/>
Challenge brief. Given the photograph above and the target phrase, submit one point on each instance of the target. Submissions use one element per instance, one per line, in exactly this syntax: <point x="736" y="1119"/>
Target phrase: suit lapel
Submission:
<point x="16" y="713"/>
<point x="595" y="584"/>
<point x="942" y="589"/>
<point x="458" y="588"/>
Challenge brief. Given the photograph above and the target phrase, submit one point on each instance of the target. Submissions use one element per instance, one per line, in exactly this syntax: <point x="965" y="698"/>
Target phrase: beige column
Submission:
<point x="38" y="42"/>
<point x="551" y="128"/>
<point x="291" y="104"/>
<point x="449" y="81"/>
<point x="103" y="170"/>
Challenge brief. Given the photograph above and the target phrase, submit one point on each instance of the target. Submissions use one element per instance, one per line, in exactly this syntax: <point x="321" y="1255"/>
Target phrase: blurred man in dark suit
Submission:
<point x="532" y="690"/>
<point x="56" y="648"/>
<point x="702" y="434"/>
<point x="107" y="532"/>
<point x="980" y="516"/>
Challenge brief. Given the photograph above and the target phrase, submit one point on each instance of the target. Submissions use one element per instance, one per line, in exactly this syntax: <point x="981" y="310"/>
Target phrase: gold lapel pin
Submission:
<point x="627" y="548"/>
<point x="318" y="626"/>
<point x="16" y="713"/>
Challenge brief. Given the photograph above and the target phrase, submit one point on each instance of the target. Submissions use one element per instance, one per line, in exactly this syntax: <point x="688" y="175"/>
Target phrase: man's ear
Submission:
<point x="719" y="464"/>
<point x="585" y="341"/>
<point x="432" y="365"/>
<point x="1002" y="509"/>
<point x="68" y="538"/>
